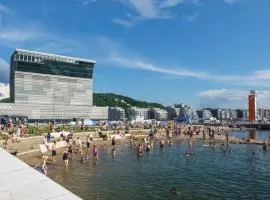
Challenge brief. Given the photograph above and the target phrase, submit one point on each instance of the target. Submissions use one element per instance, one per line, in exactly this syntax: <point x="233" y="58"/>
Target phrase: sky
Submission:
<point x="204" y="53"/>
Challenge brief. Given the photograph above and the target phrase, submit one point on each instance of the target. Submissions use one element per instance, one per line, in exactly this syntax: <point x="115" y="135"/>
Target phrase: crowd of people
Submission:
<point x="159" y="134"/>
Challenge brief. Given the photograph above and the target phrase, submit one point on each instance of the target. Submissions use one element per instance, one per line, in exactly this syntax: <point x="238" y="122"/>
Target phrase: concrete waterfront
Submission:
<point x="18" y="181"/>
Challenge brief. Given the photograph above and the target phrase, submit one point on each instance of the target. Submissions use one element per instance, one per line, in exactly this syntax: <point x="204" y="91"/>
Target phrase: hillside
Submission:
<point x="114" y="100"/>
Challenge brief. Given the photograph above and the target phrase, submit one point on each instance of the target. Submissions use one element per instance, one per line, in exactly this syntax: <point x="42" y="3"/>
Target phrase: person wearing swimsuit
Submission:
<point x="42" y="165"/>
<point x="161" y="143"/>
<point x="113" y="141"/>
<point x="148" y="147"/>
<point x="65" y="157"/>
<point x="54" y="151"/>
<point x="95" y="152"/>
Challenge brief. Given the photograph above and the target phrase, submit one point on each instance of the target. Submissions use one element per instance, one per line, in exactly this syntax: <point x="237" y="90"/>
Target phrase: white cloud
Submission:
<point x="231" y="2"/>
<point x="150" y="9"/>
<point x="4" y="71"/>
<point x="191" y="18"/>
<point x="133" y="63"/>
<point x="85" y="2"/>
<point x="232" y="98"/>
<point x="120" y="56"/>
<point x="170" y="3"/>
<point x="4" y="91"/>
<point x="122" y="22"/>
<point x="19" y="35"/>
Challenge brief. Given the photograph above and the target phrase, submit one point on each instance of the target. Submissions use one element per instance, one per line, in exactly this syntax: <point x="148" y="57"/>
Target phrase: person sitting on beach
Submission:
<point x="95" y="152"/>
<point x="42" y="165"/>
<point x="65" y="157"/>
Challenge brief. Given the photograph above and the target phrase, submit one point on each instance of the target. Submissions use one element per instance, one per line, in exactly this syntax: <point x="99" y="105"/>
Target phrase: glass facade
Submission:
<point x="37" y="77"/>
<point x="52" y="65"/>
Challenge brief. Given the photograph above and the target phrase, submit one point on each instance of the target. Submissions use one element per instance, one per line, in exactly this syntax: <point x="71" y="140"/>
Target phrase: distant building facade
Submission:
<point x="134" y="113"/>
<point x="158" y="114"/>
<point x="116" y="114"/>
<point x="46" y="86"/>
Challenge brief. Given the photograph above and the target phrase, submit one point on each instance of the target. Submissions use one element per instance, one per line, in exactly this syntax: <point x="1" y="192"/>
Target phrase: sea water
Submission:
<point x="243" y="172"/>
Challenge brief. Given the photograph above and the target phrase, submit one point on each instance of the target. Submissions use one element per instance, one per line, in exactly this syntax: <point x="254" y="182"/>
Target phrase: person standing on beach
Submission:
<point x="65" y="157"/>
<point x="88" y="141"/>
<point x="54" y="151"/>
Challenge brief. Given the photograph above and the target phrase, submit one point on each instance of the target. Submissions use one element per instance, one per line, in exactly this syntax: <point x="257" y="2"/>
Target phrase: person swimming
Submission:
<point x="173" y="190"/>
<point x="265" y="146"/>
<point x="188" y="154"/>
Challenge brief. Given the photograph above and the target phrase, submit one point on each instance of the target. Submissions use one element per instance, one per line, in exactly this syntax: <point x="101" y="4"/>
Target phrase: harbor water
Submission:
<point x="242" y="172"/>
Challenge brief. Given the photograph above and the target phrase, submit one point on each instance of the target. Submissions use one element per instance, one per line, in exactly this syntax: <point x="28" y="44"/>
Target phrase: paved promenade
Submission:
<point x="18" y="181"/>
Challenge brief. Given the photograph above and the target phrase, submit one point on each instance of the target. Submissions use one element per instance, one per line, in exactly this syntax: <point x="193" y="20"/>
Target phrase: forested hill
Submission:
<point x="115" y="100"/>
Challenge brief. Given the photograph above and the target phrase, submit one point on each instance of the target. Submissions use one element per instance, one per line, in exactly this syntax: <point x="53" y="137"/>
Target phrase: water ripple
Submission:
<point x="208" y="175"/>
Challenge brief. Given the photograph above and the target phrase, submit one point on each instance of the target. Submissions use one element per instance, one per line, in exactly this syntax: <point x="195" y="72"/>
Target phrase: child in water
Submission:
<point x="95" y="152"/>
<point x="161" y="143"/>
<point x="140" y="149"/>
<point x="148" y="147"/>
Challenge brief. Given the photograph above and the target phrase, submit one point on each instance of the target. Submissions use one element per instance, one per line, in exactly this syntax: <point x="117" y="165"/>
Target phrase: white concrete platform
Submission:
<point x="18" y="181"/>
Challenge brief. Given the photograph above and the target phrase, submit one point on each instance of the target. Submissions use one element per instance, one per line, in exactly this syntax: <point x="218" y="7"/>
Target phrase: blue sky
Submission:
<point x="200" y="52"/>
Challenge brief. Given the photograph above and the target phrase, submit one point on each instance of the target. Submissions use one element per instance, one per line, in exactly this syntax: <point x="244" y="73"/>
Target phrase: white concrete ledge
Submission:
<point x="18" y="181"/>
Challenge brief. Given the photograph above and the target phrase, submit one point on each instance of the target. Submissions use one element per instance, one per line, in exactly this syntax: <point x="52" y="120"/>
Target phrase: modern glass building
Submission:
<point x="47" y="86"/>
